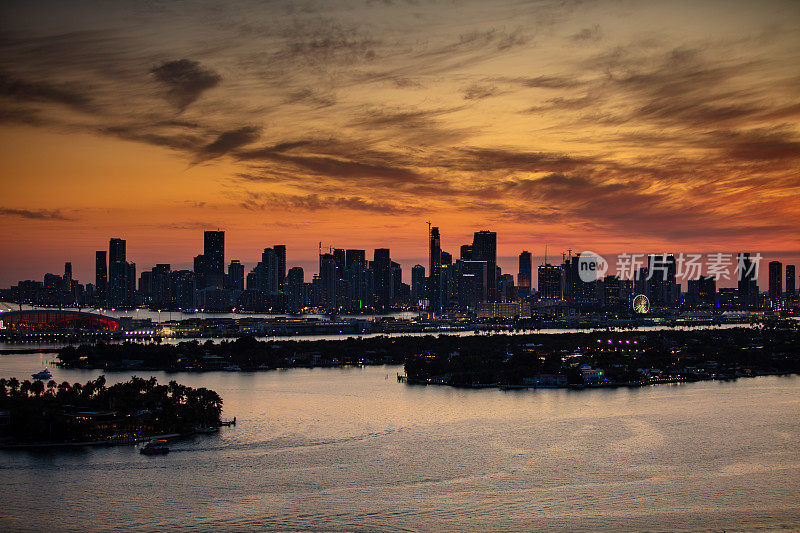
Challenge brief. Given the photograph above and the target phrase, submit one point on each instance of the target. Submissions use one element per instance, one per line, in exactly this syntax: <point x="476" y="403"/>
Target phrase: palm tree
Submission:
<point x="51" y="387"/>
<point x="14" y="384"/>
<point x="37" y="387"/>
<point x="25" y="387"/>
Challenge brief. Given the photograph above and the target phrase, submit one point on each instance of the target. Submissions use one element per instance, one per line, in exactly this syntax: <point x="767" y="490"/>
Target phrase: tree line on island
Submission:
<point x="73" y="412"/>
<point x="482" y="359"/>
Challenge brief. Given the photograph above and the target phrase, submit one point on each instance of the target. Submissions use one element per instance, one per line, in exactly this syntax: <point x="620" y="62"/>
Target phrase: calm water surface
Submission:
<point x="353" y="450"/>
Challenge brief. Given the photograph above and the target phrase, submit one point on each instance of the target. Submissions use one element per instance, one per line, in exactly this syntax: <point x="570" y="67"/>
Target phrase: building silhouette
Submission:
<point x="524" y="275"/>
<point x="775" y="280"/>
<point x="484" y="248"/>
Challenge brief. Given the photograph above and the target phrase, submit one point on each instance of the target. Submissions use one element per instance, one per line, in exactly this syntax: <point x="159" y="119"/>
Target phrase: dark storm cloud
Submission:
<point x="35" y="214"/>
<point x="228" y="141"/>
<point x="65" y="94"/>
<point x="186" y="81"/>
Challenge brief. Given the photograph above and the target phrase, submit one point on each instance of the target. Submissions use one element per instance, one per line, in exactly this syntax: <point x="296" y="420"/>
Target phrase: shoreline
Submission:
<point x="578" y="387"/>
<point x="111" y="442"/>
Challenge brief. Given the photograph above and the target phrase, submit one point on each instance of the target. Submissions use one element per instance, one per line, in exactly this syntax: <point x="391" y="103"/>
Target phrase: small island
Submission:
<point x="35" y="413"/>
<point x="602" y="358"/>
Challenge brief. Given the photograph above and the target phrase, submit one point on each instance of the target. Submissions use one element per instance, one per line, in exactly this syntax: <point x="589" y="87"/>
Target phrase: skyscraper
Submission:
<point x="329" y="280"/>
<point x="295" y="289"/>
<point x="747" y="273"/>
<point x="791" y="288"/>
<point x="340" y="258"/>
<point x="418" y="282"/>
<point x="280" y="254"/>
<point x="100" y="274"/>
<point x="435" y="271"/>
<point x="549" y="282"/>
<point x="524" y="276"/>
<point x="117" y="273"/>
<point x="484" y="248"/>
<point x="775" y="280"/>
<point x="214" y="252"/>
<point x="211" y="272"/>
<point x="350" y="256"/>
<point x="382" y="265"/>
<point x="236" y="275"/>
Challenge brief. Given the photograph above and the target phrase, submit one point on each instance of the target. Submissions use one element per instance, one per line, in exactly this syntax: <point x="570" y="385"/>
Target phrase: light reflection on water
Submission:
<point x="353" y="450"/>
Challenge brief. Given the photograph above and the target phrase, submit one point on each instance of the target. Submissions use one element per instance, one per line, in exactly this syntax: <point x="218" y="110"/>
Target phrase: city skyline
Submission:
<point x="612" y="127"/>
<point x="507" y="264"/>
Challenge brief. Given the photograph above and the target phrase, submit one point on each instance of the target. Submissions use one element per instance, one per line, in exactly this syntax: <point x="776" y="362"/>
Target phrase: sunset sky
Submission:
<point x="615" y="126"/>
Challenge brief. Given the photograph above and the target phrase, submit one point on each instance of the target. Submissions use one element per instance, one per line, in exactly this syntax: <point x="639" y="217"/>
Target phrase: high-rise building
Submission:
<point x="747" y="274"/>
<point x="662" y="286"/>
<point x="382" y="266"/>
<point x="701" y="292"/>
<point x="775" y="280"/>
<point x="118" y="272"/>
<point x="524" y="275"/>
<point x="549" y="280"/>
<point x="116" y="250"/>
<point x="295" y="289"/>
<point x="418" y="282"/>
<point x="214" y="252"/>
<point x="791" y="288"/>
<point x="100" y="274"/>
<point x="435" y="271"/>
<point x="200" y="268"/>
<point x="270" y="265"/>
<point x="210" y="265"/>
<point x="280" y="254"/>
<point x="236" y="275"/>
<point x="397" y="282"/>
<point x="329" y="280"/>
<point x="466" y="252"/>
<point x="340" y="258"/>
<point x="612" y="293"/>
<point x="351" y="256"/>
<point x="484" y="248"/>
<point x="472" y="283"/>
<point x="160" y="286"/>
<point x="506" y="290"/>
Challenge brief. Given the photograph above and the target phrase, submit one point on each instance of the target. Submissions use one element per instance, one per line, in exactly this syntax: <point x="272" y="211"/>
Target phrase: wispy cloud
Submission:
<point x="36" y="214"/>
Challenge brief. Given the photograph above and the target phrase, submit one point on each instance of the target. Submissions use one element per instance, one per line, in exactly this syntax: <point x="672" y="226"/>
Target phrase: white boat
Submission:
<point x="232" y="368"/>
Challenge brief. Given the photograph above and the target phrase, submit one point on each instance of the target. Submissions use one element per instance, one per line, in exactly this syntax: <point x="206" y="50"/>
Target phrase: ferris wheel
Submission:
<point x="641" y="304"/>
